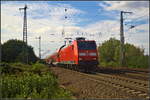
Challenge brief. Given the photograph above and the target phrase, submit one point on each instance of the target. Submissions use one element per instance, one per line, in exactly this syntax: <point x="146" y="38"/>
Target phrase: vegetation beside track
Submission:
<point x="30" y="81"/>
<point x="14" y="51"/>
<point x="109" y="55"/>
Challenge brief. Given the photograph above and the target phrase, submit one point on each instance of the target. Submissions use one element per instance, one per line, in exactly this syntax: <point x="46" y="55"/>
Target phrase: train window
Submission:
<point x="86" y="45"/>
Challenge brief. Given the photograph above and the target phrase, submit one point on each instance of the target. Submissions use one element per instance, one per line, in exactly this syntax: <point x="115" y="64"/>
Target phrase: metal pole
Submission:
<point x="25" y="33"/>
<point x="122" y="49"/>
<point x="24" y="24"/>
<point x="40" y="47"/>
<point x="121" y="40"/>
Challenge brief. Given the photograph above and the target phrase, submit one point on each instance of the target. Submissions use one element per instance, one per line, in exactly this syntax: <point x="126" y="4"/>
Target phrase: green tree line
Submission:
<point x="109" y="55"/>
<point x="13" y="51"/>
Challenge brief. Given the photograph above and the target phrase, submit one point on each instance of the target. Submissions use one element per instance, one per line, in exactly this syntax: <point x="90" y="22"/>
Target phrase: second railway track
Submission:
<point x="143" y="75"/>
<point x="133" y="86"/>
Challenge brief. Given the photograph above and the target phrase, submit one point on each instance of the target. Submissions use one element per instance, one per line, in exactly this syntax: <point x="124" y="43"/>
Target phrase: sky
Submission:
<point x="95" y="20"/>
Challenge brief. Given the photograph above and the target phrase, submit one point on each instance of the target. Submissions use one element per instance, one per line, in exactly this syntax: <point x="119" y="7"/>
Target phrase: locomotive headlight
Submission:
<point x="82" y="54"/>
<point x="80" y="58"/>
<point x="92" y="54"/>
<point x="94" y="58"/>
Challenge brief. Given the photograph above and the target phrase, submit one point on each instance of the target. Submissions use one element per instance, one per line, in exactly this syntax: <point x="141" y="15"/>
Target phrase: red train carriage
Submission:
<point x="80" y="53"/>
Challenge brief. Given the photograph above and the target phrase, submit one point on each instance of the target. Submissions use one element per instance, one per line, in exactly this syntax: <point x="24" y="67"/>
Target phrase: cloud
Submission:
<point x="42" y="20"/>
<point x="140" y="18"/>
<point x="140" y="9"/>
<point x="126" y="5"/>
<point x="139" y="37"/>
<point x="46" y="18"/>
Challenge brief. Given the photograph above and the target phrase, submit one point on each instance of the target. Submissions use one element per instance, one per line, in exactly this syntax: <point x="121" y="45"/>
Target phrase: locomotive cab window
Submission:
<point x="86" y="45"/>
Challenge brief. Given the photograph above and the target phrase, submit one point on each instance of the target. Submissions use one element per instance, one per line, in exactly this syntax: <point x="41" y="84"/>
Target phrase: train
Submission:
<point x="80" y="54"/>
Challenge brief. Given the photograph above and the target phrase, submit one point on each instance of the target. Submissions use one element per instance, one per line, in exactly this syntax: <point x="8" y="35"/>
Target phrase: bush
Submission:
<point x="6" y="68"/>
<point x="33" y="81"/>
<point x="112" y="64"/>
<point x="31" y="85"/>
<point x="38" y="67"/>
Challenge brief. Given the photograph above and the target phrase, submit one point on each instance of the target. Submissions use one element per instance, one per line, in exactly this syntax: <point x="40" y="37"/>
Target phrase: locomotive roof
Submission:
<point x="85" y="40"/>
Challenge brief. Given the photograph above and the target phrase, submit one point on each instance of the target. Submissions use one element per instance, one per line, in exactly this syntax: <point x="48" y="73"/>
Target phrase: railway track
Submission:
<point x="129" y="73"/>
<point x="109" y="85"/>
<point x="130" y="70"/>
<point x="133" y="86"/>
<point x="139" y="76"/>
<point x="139" y="83"/>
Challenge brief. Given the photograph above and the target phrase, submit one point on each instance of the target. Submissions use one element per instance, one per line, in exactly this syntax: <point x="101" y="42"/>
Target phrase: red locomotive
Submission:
<point x="80" y="54"/>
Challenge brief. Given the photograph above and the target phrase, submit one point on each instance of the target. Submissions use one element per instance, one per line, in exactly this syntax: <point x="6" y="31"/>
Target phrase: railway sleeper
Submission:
<point x="130" y="91"/>
<point x="144" y="95"/>
<point x="148" y="97"/>
<point x="136" y="92"/>
<point x="133" y="92"/>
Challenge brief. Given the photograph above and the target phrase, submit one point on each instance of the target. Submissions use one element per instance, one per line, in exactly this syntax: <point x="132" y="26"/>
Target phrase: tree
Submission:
<point x="13" y="51"/>
<point x="135" y="56"/>
<point x="107" y="51"/>
<point x="109" y="54"/>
